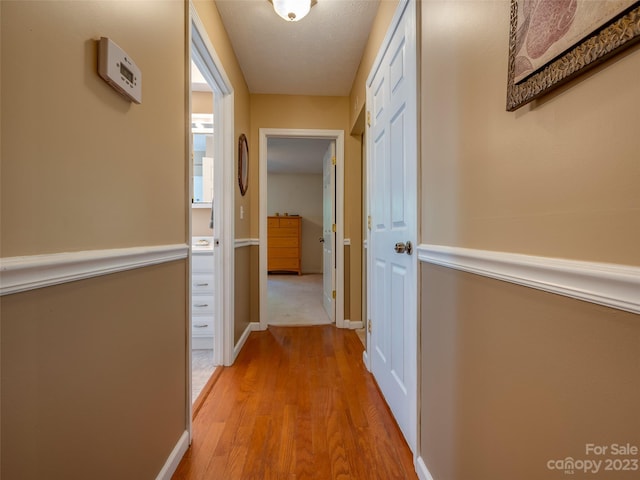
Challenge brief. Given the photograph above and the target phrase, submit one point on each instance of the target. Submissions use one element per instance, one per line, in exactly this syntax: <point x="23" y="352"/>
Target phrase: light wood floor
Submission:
<point x="297" y="404"/>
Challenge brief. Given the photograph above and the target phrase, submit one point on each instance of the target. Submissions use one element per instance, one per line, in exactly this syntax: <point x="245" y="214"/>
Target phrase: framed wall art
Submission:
<point x="553" y="41"/>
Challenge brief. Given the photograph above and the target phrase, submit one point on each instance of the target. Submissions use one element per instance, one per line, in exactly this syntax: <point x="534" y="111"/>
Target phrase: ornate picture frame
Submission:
<point x="611" y="36"/>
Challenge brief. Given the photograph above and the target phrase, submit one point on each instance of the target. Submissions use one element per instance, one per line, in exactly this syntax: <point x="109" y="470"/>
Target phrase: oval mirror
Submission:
<point x="243" y="164"/>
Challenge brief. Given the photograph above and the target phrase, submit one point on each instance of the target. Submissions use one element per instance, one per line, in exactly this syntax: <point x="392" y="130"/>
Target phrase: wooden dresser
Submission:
<point x="284" y="244"/>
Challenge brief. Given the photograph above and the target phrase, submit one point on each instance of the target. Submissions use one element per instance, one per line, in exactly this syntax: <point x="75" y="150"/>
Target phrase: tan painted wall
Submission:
<point x="93" y="376"/>
<point x="291" y="111"/>
<point x="357" y="97"/>
<point x="200" y="221"/>
<point x="243" y="303"/>
<point x="202" y="102"/>
<point x="208" y="13"/>
<point x="83" y="168"/>
<point x="512" y="377"/>
<point x="93" y="372"/>
<point x="556" y="178"/>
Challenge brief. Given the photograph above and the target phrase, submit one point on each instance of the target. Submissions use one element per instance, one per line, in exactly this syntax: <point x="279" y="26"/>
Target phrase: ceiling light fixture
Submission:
<point x="292" y="10"/>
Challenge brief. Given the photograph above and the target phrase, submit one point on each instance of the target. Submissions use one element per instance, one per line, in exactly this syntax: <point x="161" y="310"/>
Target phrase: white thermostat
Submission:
<point x="119" y="70"/>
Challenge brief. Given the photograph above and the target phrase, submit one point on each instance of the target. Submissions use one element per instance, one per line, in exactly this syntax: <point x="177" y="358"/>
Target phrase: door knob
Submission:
<point x="321" y="240"/>
<point x="402" y="247"/>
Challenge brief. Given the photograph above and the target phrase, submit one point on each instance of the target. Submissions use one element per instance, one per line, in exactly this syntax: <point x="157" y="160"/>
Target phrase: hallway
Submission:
<point x="297" y="403"/>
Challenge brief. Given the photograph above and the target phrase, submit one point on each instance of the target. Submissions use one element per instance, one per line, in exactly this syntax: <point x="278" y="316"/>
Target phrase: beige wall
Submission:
<point x="356" y="126"/>
<point x="357" y="97"/>
<point x="312" y="112"/>
<point x="300" y="194"/>
<point x="556" y="178"/>
<point x="93" y="372"/>
<point x="512" y="377"/>
<point x="200" y="221"/>
<point x="93" y="376"/>
<point x="208" y="13"/>
<point x="243" y="303"/>
<point x="83" y="168"/>
<point x="202" y="102"/>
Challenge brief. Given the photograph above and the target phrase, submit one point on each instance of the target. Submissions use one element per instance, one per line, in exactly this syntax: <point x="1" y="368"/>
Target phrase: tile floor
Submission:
<point x="201" y="369"/>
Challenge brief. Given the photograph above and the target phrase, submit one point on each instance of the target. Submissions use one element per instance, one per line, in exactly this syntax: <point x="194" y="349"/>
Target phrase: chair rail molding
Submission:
<point x="19" y="274"/>
<point x="608" y="284"/>
<point x="246" y="242"/>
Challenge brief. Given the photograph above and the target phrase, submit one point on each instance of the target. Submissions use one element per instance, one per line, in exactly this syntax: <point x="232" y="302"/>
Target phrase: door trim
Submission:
<point x="338" y="136"/>
<point x="202" y="51"/>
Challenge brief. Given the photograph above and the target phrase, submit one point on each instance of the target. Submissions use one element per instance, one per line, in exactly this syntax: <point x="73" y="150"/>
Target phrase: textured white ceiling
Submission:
<point x="318" y="55"/>
<point x="296" y="155"/>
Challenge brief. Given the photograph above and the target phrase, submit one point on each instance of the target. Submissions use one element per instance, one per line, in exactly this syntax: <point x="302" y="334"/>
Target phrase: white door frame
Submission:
<point x="205" y="56"/>
<point x="338" y="136"/>
<point x="328" y="270"/>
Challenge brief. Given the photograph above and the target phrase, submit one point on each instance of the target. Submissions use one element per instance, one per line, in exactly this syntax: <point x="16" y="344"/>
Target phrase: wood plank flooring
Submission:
<point x="297" y="404"/>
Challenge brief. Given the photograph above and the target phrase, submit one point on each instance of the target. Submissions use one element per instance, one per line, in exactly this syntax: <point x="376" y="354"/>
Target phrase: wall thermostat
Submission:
<point x="119" y="70"/>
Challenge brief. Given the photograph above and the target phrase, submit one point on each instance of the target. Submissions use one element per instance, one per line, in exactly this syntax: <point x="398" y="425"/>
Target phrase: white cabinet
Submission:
<point x="202" y="299"/>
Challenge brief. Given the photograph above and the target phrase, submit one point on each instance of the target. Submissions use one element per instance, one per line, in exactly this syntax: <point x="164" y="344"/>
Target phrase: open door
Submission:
<point x="328" y="234"/>
<point x="393" y="180"/>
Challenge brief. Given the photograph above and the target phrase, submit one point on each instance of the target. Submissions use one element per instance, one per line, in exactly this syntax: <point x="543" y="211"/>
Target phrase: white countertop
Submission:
<point x="202" y="245"/>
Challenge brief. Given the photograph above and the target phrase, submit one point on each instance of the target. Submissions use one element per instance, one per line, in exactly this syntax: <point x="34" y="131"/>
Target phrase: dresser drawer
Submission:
<point x="283" y="264"/>
<point x="282" y="253"/>
<point x="201" y="283"/>
<point x="201" y="304"/>
<point x="283" y="242"/>
<point x="273" y="222"/>
<point x="202" y="262"/>
<point x="282" y="232"/>
<point x="202" y="326"/>
<point x="289" y="222"/>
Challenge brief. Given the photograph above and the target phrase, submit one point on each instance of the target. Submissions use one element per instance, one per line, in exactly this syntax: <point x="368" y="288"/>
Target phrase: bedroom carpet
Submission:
<point x="295" y="300"/>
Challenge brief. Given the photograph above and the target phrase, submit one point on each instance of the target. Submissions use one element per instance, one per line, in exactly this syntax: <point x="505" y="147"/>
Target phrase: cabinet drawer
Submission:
<point x="283" y="253"/>
<point x="202" y="263"/>
<point x="201" y="283"/>
<point x="273" y="222"/>
<point x="283" y="264"/>
<point x="282" y="232"/>
<point x="201" y="304"/>
<point x="202" y="326"/>
<point x="289" y="222"/>
<point x="283" y="242"/>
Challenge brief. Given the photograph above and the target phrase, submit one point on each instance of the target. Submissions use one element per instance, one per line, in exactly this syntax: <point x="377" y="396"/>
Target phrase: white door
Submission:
<point x="392" y="147"/>
<point x="328" y="235"/>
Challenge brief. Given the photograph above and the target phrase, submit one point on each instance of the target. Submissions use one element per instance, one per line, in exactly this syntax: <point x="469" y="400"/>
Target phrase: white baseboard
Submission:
<point x="422" y="471"/>
<point x="365" y="359"/>
<point x="253" y="326"/>
<point x="353" y="325"/>
<point x="608" y="284"/>
<point x="175" y="456"/>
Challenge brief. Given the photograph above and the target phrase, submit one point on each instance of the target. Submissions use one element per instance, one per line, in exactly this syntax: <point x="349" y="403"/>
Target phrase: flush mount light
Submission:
<point x="292" y="10"/>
